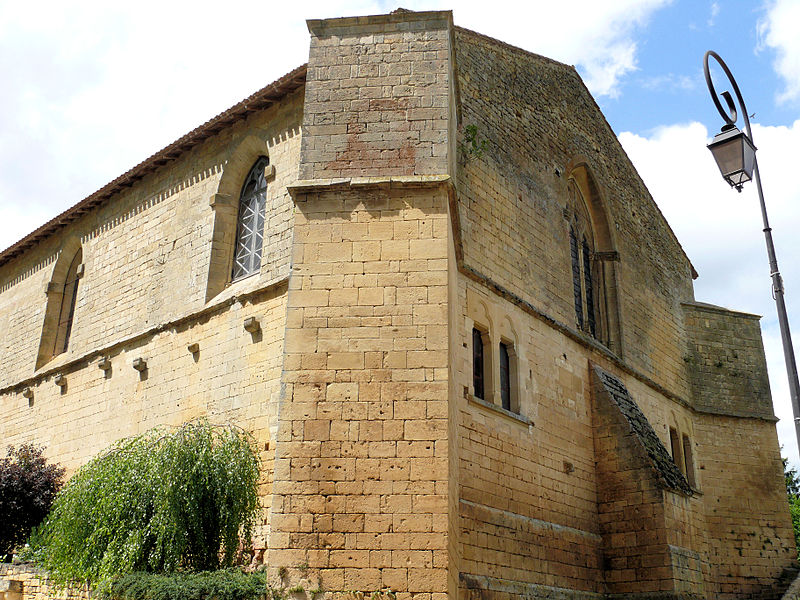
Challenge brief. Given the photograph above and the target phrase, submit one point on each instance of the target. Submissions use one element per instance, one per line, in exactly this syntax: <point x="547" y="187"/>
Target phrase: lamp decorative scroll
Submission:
<point x="733" y="150"/>
<point x="735" y="154"/>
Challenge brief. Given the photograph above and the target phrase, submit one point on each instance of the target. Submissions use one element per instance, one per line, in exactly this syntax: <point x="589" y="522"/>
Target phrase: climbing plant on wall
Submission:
<point x="157" y="502"/>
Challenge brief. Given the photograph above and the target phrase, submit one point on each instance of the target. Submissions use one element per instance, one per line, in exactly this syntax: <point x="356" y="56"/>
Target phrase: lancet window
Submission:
<point x="250" y="224"/>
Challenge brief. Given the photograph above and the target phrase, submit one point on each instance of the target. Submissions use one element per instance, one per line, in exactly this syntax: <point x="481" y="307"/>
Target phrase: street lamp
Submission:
<point x="735" y="154"/>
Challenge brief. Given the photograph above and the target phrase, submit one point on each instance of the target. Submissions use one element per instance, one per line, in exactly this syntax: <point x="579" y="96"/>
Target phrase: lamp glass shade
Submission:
<point x="735" y="155"/>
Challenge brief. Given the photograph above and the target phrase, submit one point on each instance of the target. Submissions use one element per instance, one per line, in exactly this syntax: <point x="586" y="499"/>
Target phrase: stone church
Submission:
<point x="422" y="271"/>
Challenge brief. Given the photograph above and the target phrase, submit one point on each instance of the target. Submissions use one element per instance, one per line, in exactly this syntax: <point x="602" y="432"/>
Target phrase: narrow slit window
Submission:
<point x="477" y="364"/>
<point x="677" y="454"/>
<point x="66" y="312"/>
<point x="688" y="460"/>
<point x="587" y="286"/>
<point x="250" y="224"/>
<point x="576" y="276"/>
<point x="505" y="377"/>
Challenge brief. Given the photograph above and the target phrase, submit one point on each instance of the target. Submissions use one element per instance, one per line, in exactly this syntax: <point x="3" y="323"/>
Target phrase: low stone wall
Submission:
<point x="26" y="582"/>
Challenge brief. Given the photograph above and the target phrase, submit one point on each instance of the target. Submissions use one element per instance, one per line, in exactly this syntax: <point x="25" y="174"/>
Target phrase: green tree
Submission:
<point x="157" y="502"/>
<point x="28" y="486"/>
<point x="793" y="494"/>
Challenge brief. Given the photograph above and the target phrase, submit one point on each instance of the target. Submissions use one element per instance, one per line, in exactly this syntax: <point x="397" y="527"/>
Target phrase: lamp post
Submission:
<point x="735" y="155"/>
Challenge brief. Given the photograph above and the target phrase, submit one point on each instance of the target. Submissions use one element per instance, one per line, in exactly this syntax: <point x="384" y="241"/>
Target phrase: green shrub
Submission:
<point x="28" y="486"/>
<point x="229" y="584"/>
<point x="158" y="502"/>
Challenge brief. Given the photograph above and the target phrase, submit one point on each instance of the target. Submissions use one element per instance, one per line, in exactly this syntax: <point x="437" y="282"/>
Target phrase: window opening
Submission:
<point x="250" y="224"/>
<point x="66" y="312"/>
<point x="675" y="443"/>
<point x="576" y="276"/>
<point x="688" y="459"/>
<point x="587" y="287"/>
<point x="477" y="364"/>
<point x="505" y="378"/>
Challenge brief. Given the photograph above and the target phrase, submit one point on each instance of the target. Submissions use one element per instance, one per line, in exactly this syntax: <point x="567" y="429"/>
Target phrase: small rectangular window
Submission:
<point x="688" y="460"/>
<point x="675" y="442"/>
<point x="505" y="377"/>
<point x="477" y="364"/>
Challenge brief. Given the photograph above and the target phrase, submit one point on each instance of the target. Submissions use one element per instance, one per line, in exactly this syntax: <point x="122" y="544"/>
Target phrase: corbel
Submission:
<point x="612" y="256"/>
<point x="251" y="325"/>
<point x="140" y="364"/>
<point x="217" y="200"/>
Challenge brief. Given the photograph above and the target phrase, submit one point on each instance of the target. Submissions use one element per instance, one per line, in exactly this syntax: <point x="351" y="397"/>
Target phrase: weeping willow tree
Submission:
<point x="158" y="502"/>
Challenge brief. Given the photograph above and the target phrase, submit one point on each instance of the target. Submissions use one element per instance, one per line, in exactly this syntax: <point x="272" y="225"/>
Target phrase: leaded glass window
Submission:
<point x="584" y="291"/>
<point x="576" y="276"/>
<point x="588" y="288"/>
<point x="250" y="225"/>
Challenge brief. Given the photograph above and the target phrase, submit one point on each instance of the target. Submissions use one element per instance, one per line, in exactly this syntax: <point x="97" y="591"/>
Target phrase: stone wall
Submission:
<point x="541" y="128"/>
<point x="378" y="96"/>
<point x="148" y="255"/>
<point x="726" y="363"/>
<point x="361" y="458"/>
<point x="23" y="581"/>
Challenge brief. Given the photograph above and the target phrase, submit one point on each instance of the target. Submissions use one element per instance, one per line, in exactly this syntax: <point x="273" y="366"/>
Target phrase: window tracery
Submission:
<point x="250" y="223"/>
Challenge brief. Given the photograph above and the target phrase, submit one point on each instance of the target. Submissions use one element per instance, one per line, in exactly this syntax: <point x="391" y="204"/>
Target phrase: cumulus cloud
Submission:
<point x="91" y="88"/>
<point x="778" y="31"/>
<point x="721" y="230"/>
<point x="597" y="37"/>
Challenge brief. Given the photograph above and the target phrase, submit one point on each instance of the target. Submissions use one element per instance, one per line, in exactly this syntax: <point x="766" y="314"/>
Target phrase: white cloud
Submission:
<point x="670" y="82"/>
<point x="778" y="30"/>
<point x="91" y="88"/>
<point x="597" y="37"/>
<point x="721" y="230"/>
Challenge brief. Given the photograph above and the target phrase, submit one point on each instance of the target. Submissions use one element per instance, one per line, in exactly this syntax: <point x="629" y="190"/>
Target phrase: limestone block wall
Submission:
<point x="749" y="532"/>
<point x="726" y="363"/>
<point x="541" y="128"/>
<point x="378" y="96"/>
<point x="148" y="255"/>
<point x="527" y="503"/>
<point x="149" y="246"/>
<point x="29" y="583"/>
<point x="361" y="471"/>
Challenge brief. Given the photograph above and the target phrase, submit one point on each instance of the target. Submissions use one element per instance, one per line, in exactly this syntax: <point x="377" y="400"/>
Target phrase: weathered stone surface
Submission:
<point x="421" y="190"/>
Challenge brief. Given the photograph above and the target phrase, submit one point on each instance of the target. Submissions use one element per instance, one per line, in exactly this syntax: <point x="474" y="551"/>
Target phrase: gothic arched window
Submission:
<point x="581" y="249"/>
<point x="250" y="224"/>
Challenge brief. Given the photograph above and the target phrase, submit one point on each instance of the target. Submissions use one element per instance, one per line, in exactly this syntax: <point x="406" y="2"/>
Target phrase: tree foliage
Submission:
<point x="228" y="584"/>
<point x="28" y="486"/>
<point x="793" y="493"/>
<point x="158" y="502"/>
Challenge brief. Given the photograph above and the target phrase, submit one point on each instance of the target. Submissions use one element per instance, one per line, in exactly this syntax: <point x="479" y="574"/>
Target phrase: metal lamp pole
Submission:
<point x="723" y="147"/>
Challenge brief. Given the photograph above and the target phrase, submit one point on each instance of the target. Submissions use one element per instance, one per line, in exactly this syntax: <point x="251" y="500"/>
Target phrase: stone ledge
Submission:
<point x="521" y="419"/>
<point x="396" y="182"/>
<point x="69" y="363"/>
<point x="321" y="27"/>
<point x="720" y="310"/>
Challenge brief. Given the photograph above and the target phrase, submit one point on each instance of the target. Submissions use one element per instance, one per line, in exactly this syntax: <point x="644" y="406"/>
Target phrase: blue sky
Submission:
<point x="90" y="88"/>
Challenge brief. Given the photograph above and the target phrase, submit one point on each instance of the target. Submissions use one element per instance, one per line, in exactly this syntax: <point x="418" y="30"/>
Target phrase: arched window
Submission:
<point x="62" y="297"/>
<point x="69" y="295"/>
<point x="581" y="247"/>
<point x="250" y="224"/>
<point x="593" y="260"/>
